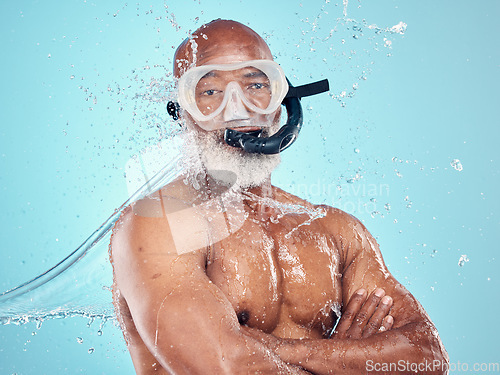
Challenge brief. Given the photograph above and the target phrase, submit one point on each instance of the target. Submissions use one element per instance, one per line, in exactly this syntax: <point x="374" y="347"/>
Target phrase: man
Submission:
<point x="219" y="272"/>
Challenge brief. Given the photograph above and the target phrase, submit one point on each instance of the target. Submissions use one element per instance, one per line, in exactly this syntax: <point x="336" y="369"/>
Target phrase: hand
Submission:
<point x="364" y="316"/>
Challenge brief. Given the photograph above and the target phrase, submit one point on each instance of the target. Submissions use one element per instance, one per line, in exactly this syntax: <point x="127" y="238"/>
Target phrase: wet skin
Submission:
<point x="271" y="282"/>
<point x="263" y="298"/>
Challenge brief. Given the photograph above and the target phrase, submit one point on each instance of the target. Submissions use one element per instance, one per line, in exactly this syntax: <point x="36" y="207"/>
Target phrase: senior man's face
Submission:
<point x="226" y="43"/>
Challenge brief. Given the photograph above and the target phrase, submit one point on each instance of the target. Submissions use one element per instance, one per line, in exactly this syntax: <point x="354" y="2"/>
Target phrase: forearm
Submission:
<point x="231" y="355"/>
<point x="208" y="346"/>
<point x="414" y="346"/>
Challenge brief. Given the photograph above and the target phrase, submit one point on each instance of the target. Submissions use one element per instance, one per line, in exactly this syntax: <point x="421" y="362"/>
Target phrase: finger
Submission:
<point x="378" y="316"/>
<point x="350" y="312"/>
<point x="387" y="323"/>
<point x="365" y="313"/>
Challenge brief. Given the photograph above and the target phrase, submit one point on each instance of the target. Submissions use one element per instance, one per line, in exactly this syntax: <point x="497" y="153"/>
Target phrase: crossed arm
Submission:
<point x="190" y="327"/>
<point x="407" y="337"/>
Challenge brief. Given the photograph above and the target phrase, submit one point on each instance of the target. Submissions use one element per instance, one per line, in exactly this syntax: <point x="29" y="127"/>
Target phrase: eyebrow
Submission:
<point x="208" y="75"/>
<point x="256" y="73"/>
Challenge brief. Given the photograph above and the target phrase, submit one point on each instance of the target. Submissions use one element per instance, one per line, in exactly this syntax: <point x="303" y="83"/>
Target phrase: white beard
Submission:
<point x="229" y="165"/>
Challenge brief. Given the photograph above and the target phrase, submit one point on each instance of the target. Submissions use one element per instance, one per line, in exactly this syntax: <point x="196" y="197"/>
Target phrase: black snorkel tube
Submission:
<point x="251" y="142"/>
<point x="288" y="133"/>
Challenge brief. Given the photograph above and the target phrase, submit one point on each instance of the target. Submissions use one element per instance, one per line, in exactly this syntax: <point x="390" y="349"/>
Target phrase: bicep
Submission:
<point x="364" y="267"/>
<point x="185" y="320"/>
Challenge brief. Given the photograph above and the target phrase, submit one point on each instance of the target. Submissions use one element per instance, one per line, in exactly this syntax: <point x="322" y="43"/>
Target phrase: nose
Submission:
<point x="235" y="109"/>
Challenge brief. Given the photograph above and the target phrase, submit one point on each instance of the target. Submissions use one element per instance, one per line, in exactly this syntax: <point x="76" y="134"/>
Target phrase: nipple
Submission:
<point x="243" y="317"/>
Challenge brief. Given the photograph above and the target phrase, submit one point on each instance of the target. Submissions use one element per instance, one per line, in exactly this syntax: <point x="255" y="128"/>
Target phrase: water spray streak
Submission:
<point x="78" y="284"/>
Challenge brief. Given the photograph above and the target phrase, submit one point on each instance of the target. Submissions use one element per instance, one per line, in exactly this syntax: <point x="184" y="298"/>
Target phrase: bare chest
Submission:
<point x="280" y="278"/>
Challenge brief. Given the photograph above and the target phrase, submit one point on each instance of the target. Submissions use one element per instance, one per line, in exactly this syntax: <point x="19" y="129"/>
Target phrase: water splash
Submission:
<point x="346" y="45"/>
<point x="79" y="284"/>
<point x="283" y="209"/>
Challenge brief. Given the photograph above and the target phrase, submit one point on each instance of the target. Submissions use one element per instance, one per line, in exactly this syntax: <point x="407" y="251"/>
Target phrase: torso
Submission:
<point x="281" y="275"/>
<point x="280" y="279"/>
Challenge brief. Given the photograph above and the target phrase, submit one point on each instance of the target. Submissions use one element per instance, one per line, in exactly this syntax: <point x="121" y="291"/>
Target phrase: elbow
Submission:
<point x="432" y="351"/>
<point x="183" y="351"/>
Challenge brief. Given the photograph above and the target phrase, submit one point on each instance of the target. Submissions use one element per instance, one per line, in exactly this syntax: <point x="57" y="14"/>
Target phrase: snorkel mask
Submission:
<point x="243" y="94"/>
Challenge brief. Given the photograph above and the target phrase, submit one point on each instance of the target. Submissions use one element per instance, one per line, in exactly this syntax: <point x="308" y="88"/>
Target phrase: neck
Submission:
<point x="263" y="190"/>
<point x="209" y="181"/>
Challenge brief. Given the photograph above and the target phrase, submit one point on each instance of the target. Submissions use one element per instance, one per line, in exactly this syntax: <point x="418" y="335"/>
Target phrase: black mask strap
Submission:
<point x="308" y="89"/>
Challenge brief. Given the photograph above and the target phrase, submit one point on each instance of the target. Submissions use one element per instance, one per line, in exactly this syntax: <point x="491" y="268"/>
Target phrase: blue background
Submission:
<point x="76" y="104"/>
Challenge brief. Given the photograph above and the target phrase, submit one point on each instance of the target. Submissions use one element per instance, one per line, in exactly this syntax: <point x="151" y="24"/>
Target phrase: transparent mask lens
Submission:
<point x="233" y="91"/>
<point x="217" y="87"/>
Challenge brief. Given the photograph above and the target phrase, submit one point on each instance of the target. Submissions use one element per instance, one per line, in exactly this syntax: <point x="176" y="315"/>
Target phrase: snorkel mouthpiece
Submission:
<point x="288" y="133"/>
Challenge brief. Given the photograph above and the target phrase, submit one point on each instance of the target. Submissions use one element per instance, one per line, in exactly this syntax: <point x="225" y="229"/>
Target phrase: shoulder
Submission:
<point x="350" y="236"/>
<point x="153" y="210"/>
<point x="140" y="227"/>
<point x="342" y="224"/>
<point x="348" y="232"/>
<point x="171" y="221"/>
<point x="145" y="223"/>
<point x="146" y="245"/>
<point x="335" y="221"/>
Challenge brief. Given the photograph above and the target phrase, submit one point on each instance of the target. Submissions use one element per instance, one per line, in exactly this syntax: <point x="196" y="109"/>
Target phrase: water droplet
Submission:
<point x="99" y="333"/>
<point x="409" y="202"/>
<point x="463" y="259"/>
<point x="91" y="350"/>
<point x="79" y="340"/>
<point x="356" y="150"/>
<point x="455" y="163"/>
<point x="400" y="28"/>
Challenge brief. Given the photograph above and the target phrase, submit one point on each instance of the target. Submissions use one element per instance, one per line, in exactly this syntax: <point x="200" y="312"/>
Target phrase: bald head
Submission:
<point x="220" y="42"/>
